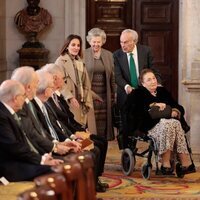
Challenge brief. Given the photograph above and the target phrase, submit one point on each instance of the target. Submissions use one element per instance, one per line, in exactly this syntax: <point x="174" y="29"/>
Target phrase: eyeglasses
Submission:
<point x="22" y="95"/>
<point x="50" y="87"/>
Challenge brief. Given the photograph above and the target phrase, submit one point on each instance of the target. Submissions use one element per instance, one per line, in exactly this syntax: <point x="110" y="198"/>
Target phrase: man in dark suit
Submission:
<point x="58" y="104"/>
<point x="142" y="58"/>
<point x="19" y="159"/>
<point x="35" y="131"/>
<point x="125" y="72"/>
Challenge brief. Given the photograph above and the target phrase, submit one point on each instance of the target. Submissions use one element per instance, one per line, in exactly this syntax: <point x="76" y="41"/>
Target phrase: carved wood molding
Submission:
<point x="191" y="85"/>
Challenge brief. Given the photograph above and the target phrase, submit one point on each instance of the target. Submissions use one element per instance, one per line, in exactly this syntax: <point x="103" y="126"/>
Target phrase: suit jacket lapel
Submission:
<point x="125" y="66"/>
<point x="18" y="132"/>
<point x="40" y="115"/>
<point x="140" y="57"/>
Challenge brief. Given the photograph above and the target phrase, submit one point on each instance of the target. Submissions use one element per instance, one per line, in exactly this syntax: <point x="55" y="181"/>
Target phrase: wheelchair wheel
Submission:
<point x="128" y="161"/>
<point x="146" y="171"/>
<point x="179" y="172"/>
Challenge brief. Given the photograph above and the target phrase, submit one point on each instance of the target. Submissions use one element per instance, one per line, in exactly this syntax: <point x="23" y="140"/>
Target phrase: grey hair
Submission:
<point x="45" y="79"/>
<point x="95" y="32"/>
<point x="24" y="74"/>
<point x="9" y="89"/>
<point x="53" y="69"/>
<point x="133" y="33"/>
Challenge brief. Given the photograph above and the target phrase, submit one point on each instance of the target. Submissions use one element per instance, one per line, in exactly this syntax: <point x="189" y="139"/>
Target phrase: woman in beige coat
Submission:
<point x="100" y="67"/>
<point x="77" y="89"/>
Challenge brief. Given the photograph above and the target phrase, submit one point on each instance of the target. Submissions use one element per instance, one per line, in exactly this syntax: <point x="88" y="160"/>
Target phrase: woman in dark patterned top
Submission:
<point x="100" y="67"/>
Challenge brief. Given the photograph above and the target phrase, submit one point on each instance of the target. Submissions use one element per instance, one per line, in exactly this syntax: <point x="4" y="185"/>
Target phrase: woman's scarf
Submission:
<point x="83" y="89"/>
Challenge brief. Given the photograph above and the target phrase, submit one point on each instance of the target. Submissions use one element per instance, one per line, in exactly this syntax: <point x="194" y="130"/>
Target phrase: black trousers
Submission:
<point x="21" y="171"/>
<point x="102" y="145"/>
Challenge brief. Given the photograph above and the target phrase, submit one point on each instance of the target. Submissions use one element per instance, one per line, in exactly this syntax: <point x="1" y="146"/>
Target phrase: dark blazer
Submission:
<point x="60" y="125"/>
<point x="61" y="135"/>
<point x="17" y="161"/>
<point x="122" y="73"/>
<point x="42" y="142"/>
<point x="137" y="106"/>
<point x="65" y="115"/>
<point x="52" y="119"/>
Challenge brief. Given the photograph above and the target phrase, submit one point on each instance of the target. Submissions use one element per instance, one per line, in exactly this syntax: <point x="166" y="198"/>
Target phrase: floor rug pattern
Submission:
<point x="135" y="187"/>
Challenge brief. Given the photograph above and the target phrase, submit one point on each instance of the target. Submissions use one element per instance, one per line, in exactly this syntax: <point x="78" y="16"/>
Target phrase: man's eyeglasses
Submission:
<point x="22" y="95"/>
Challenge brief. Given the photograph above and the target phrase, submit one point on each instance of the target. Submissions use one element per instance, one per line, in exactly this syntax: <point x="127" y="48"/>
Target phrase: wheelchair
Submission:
<point x="128" y="157"/>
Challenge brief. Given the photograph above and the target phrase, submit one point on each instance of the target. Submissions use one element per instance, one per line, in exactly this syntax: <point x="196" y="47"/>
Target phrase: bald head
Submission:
<point x="10" y="90"/>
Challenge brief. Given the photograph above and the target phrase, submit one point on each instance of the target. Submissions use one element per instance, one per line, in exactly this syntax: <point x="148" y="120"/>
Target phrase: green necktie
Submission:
<point x="134" y="79"/>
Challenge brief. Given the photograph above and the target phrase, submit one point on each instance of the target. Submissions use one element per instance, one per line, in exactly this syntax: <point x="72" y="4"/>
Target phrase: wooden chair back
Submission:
<point x="38" y="193"/>
<point x="74" y="175"/>
<point x="87" y="163"/>
<point x="57" y="182"/>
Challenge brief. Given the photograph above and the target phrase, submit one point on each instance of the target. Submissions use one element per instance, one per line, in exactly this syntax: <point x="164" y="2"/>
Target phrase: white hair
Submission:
<point x="45" y="80"/>
<point x="95" y="32"/>
<point x="133" y="33"/>
<point x="24" y="74"/>
<point x="9" y="89"/>
<point x="53" y="69"/>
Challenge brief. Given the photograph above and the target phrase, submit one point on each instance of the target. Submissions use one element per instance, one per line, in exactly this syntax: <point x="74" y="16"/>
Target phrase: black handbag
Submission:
<point x="156" y="113"/>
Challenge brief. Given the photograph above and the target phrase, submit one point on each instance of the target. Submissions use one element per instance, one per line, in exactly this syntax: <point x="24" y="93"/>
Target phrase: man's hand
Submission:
<point x="61" y="149"/>
<point x="49" y="160"/>
<point x="74" y="145"/>
<point x="128" y="89"/>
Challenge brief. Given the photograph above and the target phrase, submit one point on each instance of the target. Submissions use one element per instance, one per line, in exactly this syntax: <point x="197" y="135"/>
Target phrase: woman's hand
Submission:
<point x="74" y="102"/>
<point x="175" y="114"/>
<point x="99" y="100"/>
<point x="161" y="106"/>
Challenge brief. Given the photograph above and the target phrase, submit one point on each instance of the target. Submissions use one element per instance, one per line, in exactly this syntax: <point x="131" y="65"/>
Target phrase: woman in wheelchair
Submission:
<point x="152" y="110"/>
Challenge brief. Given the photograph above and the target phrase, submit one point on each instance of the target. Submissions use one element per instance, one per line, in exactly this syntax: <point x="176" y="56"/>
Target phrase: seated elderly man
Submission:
<point x="19" y="159"/>
<point x="59" y="105"/>
<point x="36" y="132"/>
<point x="59" y="131"/>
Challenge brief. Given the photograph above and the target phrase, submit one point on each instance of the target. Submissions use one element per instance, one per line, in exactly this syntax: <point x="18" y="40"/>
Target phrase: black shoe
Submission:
<point x="187" y="170"/>
<point x="166" y="170"/>
<point x="100" y="188"/>
<point x="103" y="184"/>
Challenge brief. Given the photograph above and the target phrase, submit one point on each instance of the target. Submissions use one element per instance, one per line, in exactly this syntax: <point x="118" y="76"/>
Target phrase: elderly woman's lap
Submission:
<point x="168" y="133"/>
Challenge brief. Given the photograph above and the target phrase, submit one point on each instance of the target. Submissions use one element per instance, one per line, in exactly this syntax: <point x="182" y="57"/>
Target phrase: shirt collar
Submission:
<point x="57" y="92"/>
<point x="27" y="100"/>
<point x="9" y="108"/>
<point x="39" y="102"/>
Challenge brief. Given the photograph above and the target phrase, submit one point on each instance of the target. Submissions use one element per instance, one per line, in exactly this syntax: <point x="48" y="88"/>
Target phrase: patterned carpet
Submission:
<point x="130" y="187"/>
<point x="135" y="187"/>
